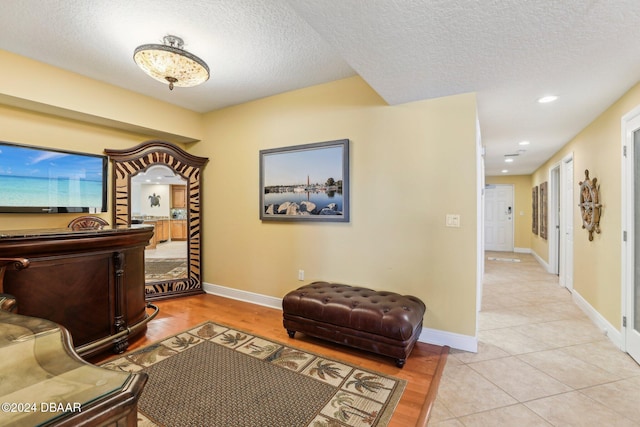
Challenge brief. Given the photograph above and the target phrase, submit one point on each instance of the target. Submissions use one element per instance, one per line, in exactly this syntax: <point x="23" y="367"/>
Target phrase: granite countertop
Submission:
<point x="49" y="232"/>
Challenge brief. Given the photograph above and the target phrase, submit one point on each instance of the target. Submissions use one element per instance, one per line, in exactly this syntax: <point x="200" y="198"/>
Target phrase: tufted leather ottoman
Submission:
<point x="382" y="322"/>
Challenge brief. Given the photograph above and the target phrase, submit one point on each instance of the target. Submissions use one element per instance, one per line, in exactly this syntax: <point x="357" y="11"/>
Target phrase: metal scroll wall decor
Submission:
<point x="128" y="163"/>
<point x="590" y="207"/>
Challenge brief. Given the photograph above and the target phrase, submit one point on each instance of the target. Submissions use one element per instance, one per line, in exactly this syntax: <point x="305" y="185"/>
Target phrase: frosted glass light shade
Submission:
<point x="170" y="64"/>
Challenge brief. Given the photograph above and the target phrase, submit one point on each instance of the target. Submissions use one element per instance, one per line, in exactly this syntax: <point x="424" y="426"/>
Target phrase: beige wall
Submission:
<point x="410" y="165"/>
<point x="22" y="126"/>
<point x="522" y="207"/>
<point x="36" y="86"/>
<point x="597" y="271"/>
<point x="45" y="106"/>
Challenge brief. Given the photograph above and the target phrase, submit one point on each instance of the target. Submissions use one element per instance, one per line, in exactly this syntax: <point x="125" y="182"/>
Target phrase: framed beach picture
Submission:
<point x="307" y="182"/>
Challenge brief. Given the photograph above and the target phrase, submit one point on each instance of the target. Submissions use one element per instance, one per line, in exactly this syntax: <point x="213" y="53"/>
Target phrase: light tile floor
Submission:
<point x="540" y="361"/>
<point x="172" y="249"/>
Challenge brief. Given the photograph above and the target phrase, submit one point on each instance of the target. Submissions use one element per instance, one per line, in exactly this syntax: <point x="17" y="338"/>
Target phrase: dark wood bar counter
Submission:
<point x="89" y="281"/>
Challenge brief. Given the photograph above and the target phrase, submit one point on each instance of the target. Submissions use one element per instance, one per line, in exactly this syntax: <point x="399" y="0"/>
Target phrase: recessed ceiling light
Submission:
<point x="523" y="143"/>
<point x="505" y="170"/>
<point x="508" y="160"/>
<point x="547" y="99"/>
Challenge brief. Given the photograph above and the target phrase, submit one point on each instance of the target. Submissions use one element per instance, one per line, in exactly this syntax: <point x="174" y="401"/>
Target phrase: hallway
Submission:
<point x="540" y="361"/>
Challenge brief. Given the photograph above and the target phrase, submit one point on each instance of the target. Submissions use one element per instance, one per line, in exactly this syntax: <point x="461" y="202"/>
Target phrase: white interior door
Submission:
<point x="631" y="228"/>
<point x="565" y="274"/>
<point x="633" y="316"/>
<point x="554" y="219"/>
<point x="498" y="217"/>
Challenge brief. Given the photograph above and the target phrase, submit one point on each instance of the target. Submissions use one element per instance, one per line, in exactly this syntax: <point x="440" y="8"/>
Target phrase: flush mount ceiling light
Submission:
<point x="169" y="63"/>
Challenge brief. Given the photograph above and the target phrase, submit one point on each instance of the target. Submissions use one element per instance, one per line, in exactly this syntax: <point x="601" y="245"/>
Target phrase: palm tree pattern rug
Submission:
<point x="213" y="375"/>
<point x="164" y="269"/>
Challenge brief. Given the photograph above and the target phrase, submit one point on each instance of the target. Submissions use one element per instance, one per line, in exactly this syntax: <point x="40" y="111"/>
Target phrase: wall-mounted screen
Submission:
<point x="45" y="180"/>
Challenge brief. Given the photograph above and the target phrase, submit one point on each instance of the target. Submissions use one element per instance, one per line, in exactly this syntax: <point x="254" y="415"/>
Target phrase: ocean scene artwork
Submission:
<point x="305" y="182"/>
<point x="33" y="177"/>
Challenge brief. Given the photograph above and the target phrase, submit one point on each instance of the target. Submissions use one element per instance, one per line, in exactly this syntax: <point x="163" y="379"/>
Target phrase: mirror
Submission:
<point x="158" y="198"/>
<point x="158" y="184"/>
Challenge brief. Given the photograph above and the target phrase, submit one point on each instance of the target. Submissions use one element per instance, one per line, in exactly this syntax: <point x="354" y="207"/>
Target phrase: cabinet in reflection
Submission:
<point x="179" y="229"/>
<point x="178" y="196"/>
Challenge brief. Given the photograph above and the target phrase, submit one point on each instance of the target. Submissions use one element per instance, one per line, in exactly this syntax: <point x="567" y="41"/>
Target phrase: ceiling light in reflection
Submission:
<point x="547" y="99"/>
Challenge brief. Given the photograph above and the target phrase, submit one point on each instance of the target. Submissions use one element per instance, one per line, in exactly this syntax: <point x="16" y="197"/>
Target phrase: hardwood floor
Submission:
<point x="422" y="369"/>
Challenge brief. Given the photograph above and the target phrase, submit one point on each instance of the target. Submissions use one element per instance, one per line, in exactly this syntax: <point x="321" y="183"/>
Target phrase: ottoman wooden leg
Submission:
<point x="400" y="363"/>
<point x="291" y="333"/>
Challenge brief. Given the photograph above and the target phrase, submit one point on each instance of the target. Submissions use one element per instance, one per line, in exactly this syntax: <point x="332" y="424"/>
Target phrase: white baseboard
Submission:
<point x="607" y="328"/>
<point x="245" y="296"/>
<point x="522" y="250"/>
<point x="429" y="336"/>
<point x="542" y="262"/>
<point x="453" y="340"/>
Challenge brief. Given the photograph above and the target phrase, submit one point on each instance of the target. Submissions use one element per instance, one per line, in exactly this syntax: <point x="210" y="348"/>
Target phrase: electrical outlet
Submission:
<point x="300" y="274"/>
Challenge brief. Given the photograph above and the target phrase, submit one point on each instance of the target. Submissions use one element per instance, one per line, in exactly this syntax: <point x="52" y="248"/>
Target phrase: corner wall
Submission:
<point x="46" y="106"/>
<point x="411" y="164"/>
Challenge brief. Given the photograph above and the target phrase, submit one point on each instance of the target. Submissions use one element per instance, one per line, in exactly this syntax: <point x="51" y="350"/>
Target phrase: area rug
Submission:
<point x="214" y="375"/>
<point x="164" y="269"/>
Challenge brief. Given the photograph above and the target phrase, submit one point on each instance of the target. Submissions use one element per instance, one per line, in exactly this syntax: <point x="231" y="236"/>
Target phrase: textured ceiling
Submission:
<point x="508" y="52"/>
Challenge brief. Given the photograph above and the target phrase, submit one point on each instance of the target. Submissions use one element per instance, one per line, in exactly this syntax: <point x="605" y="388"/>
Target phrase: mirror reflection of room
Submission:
<point x="159" y="198"/>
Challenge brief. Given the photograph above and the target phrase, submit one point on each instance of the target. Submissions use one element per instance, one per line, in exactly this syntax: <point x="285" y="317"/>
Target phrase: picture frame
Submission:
<point x="534" y="210"/>
<point x="543" y="209"/>
<point x="305" y="183"/>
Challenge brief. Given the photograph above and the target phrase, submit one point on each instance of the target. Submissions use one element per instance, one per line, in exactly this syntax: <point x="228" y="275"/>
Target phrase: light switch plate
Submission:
<point x="453" y="220"/>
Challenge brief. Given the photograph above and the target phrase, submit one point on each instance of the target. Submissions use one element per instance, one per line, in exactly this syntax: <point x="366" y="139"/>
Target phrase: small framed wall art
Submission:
<point x="534" y="210"/>
<point x="543" y="209"/>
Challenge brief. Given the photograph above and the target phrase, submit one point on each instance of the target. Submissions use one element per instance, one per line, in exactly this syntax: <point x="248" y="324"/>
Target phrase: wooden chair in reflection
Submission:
<point x="88" y="222"/>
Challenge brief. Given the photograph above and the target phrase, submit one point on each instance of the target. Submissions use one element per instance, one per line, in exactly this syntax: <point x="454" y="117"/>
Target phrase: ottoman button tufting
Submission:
<point x="358" y="317"/>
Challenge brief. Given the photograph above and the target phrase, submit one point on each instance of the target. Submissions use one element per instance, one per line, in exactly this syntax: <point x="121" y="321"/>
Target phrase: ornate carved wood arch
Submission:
<point x="129" y="162"/>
